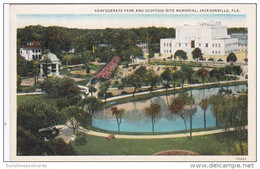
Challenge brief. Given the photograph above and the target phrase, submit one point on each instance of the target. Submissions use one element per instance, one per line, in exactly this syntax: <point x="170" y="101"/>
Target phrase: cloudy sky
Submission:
<point x="101" y="21"/>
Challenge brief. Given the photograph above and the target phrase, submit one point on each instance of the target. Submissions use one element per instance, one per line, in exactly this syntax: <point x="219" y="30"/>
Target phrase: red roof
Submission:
<point x="108" y="69"/>
<point x="34" y="45"/>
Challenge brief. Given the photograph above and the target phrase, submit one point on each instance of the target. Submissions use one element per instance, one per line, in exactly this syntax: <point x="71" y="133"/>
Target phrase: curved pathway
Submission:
<point x="163" y="136"/>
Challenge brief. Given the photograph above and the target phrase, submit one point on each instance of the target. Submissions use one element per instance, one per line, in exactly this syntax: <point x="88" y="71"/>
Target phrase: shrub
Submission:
<point x="80" y="139"/>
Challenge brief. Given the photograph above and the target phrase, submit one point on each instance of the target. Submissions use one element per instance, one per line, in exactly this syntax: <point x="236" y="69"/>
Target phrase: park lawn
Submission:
<point x="25" y="99"/>
<point x="213" y="144"/>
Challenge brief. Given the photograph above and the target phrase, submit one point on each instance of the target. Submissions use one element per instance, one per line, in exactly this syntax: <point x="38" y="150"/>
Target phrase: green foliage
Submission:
<point x="167" y="76"/>
<point x="196" y="53"/>
<point x="181" y="55"/>
<point x="36" y="114"/>
<point x="188" y="73"/>
<point x="65" y="90"/>
<point x="202" y="72"/>
<point x="151" y="78"/>
<point x="231" y="58"/>
<point x="80" y="139"/>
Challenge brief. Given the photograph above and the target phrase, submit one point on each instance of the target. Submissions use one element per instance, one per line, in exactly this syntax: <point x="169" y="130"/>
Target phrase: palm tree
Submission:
<point x="191" y="108"/>
<point x="118" y="113"/>
<point x="176" y="107"/>
<point x="153" y="111"/>
<point x="204" y="105"/>
<point x="202" y="72"/>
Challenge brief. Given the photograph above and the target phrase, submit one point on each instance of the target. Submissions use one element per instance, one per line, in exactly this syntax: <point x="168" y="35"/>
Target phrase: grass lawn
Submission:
<point x="25" y="99"/>
<point x="210" y="145"/>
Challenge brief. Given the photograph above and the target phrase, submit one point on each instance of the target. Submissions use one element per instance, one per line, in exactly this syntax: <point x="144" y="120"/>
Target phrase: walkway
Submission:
<point x="169" y="89"/>
<point x="31" y="93"/>
<point x="163" y="136"/>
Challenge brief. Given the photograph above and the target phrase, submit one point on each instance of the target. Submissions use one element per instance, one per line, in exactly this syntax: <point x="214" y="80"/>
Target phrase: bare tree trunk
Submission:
<point x="204" y="119"/>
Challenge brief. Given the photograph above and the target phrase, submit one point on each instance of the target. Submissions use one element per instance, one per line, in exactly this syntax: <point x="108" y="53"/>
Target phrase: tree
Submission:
<point x="118" y="113"/>
<point x="204" y="105"/>
<point x="45" y="62"/>
<point x="92" y="104"/>
<point x="176" y="107"/>
<point x="218" y="73"/>
<point x="175" y="77"/>
<point x="33" y="69"/>
<point x="167" y="76"/>
<point x="21" y="66"/>
<point x="196" y="54"/>
<point x="141" y="71"/>
<point x="232" y="58"/>
<point x="136" y="81"/>
<point x="64" y="90"/>
<point x="103" y="89"/>
<point x="36" y="114"/>
<point x="181" y="55"/>
<point x="29" y="144"/>
<point x="92" y="89"/>
<point x="191" y="107"/>
<point x="181" y="75"/>
<point x="74" y="115"/>
<point x="151" y="78"/>
<point x="202" y="72"/>
<point x="67" y="59"/>
<point x="188" y="72"/>
<point x="153" y="110"/>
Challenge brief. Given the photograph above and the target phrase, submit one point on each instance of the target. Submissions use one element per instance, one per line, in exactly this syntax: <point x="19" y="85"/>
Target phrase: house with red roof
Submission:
<point x="32" y="50"/>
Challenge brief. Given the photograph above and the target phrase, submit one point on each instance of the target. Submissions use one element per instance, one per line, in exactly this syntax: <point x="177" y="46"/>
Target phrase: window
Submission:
<point x="170" y="45"/>
<point x="213" y="45"/>
<point x="186" y="44"/>
<point x="170" y="51"/>
<point x="212" y="52"/>
<point x="33" y="57"/>
<point x="206" y="45"/>
<point x="164" y="44"/>
<point x="199" y="45"/>
<point x="179" y="44"/>
<point x="218" y="45"/>
<point x="218" y="52"/>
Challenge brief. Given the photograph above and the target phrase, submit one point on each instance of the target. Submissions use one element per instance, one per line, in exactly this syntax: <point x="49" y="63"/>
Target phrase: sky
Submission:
<point x="102" y="21"/>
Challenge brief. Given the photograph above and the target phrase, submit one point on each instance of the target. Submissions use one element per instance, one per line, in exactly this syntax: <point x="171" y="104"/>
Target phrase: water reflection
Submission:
<point x="135" y="120"/>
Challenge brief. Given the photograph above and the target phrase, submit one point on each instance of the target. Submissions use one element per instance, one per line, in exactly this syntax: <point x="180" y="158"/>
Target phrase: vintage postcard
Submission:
<point x="132" y="82"/>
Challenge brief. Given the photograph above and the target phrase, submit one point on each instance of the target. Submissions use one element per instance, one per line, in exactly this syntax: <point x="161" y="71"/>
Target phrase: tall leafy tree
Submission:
<point x="118" y="113"/>
<point x="35" y="115"/>
<point x="91" y="104"/>
<point x="181" y="55"/>
<point x="103" y="89"/>
<point x="196" y="54"/>
<point x="74" y="115"/>
<point x="167" y="76"/>
<point x="151" y="78"/>
<point x="153" y="111"/>
<point x="232" y="58"/>
<point x="218" y="73"/>
<point x="188" y="72"/>
<point x="136" y="81"/>
<point x="204" y="105"/>
<point x="203" y="73"/>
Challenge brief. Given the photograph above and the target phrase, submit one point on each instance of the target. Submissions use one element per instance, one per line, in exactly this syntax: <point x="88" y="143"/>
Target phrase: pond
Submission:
<point x="135" y="120"/>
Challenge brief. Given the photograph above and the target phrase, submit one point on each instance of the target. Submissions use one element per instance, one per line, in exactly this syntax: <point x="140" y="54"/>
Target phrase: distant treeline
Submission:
<point x="107" y="42"/>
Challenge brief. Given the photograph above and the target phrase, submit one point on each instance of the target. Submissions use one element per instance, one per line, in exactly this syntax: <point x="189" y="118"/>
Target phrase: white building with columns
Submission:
<point x="53" y="68"/>
<point x="32" y="50"/>
<point x="211" y="37"/>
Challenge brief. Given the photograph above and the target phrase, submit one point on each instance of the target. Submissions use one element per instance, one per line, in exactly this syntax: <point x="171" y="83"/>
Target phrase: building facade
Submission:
<point x="210" y="37"/>
<point x="143" y="46"/>
<point x="32" y="51"/>
<point x="242" y="41"/>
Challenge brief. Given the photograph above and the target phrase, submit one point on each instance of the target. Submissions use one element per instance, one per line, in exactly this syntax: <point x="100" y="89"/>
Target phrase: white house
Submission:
<point x="210" y="37"/>
<point x="143" y="46"/>
<point x="32" y="51"/>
